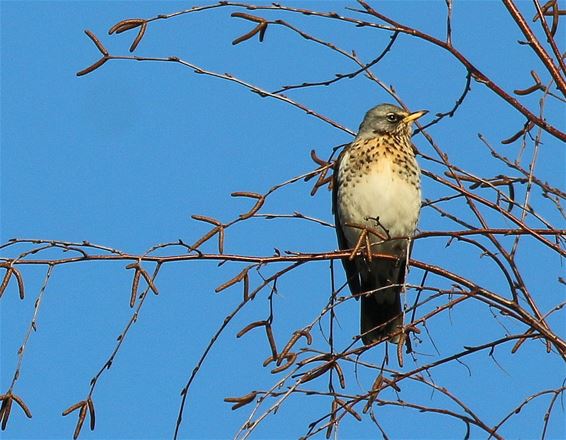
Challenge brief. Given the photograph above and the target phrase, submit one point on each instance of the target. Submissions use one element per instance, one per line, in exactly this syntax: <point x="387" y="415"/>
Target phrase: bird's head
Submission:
<point x="388" y="119"/>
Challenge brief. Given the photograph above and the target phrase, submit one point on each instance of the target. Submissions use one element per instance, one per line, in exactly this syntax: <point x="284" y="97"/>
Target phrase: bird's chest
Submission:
<point x="379" y="189"/>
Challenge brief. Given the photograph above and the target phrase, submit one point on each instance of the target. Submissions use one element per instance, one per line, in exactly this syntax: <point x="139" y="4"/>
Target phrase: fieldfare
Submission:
<point x="376" y="202"/>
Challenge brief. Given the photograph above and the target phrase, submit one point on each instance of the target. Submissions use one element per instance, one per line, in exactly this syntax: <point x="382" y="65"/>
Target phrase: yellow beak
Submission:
<point x="414" y="116"/>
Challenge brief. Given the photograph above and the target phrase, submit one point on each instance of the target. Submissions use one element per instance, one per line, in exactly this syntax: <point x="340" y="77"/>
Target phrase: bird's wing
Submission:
<point x="349" y="265"/>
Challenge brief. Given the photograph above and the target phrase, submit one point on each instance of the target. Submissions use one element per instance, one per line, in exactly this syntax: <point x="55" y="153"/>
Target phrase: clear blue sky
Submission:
<point x="125" y="155"/>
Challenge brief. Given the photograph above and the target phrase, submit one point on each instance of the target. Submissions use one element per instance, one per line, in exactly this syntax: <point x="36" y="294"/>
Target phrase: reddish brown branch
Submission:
<point x="476" y="73"/>
<point x="534" y="43"/>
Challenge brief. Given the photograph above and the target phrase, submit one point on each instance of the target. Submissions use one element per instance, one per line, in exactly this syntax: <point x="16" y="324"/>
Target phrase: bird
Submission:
<point x="376" y="185"/>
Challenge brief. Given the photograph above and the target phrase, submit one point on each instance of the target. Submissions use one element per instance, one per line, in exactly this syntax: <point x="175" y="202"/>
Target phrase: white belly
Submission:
<point x="382" y="195"/>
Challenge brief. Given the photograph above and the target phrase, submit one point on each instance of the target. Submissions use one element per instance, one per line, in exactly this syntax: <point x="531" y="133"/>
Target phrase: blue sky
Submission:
<point x="125" y="155"/>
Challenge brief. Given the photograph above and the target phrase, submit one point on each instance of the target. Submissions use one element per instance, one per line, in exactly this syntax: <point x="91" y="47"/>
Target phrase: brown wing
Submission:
<point x="352" y="274"/>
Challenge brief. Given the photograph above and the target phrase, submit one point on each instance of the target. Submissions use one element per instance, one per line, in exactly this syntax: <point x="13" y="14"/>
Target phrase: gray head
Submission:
<point x="388" y="119"/>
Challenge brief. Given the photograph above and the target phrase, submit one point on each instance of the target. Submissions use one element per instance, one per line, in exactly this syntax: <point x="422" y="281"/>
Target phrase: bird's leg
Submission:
<point x="361" y="239"/>
<point x="368" y="246"/>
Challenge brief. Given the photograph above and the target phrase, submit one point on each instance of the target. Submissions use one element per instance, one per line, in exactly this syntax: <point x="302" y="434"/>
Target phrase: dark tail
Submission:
<point x="380" y="319"/>
<point x="381" y="313"/>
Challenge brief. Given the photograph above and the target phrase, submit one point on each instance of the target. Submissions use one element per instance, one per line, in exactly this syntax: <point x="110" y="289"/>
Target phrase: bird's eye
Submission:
<point x="392" y="117"/>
